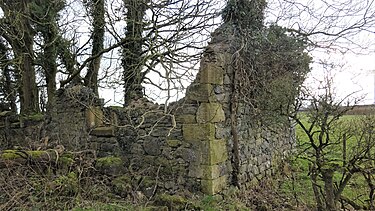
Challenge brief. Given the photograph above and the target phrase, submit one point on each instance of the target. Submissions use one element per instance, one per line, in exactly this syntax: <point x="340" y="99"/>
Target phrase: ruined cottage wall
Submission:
<point x="209" y="127"/>
<point x="188" y="146"/>
<point x="16" y="131"/>
<point x="151" y="145"/>
<point x="261" y="149"/>
<point x="67" y="124"/>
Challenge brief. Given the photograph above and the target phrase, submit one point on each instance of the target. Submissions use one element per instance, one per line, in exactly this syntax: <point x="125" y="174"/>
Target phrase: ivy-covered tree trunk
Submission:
<point x="132" y="58"/>
<point x="50" y="57"/>
<point x="29" y="92"/>
<point x="20" y="35"/>
<point x="98" y="13"/>
<point x="8" y="79"/>
<point x="44" y="16"/>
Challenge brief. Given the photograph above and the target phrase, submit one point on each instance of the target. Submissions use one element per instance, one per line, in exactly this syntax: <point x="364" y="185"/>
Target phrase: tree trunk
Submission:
<point x="50" y="67"/>
<point x="29" y="95"/>
<point x="318" y="199"/>
<point x="9" y="92"/>
<point x="329" y="190"/>
<point x="21" y="37"/>
<point x="98" y="13"/>
<point x="132" y="50"/>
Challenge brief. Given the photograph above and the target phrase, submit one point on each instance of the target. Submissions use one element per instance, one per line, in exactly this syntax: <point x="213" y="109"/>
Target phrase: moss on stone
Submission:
<point x="10" y="154"/>
<point x="194" y="132"/>
<point x="36" y="154"/>
<point x="14" y="154"/>
<point x="122" y="185"/>
<point x="66" y="161"/>
<point x="214" y="186"/>
<point x="173" y="202"/>
<point x="68" y="184"/>
<point x="109" y="161"/>
<point x="110" y="165"/>
<point x="148" y="182"/>
<point x="174" y="143"/>
<point x="34" y="117"/>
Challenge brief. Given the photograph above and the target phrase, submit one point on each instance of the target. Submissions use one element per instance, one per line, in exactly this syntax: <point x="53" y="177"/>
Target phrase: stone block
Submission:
<point x="174" y="143"/>
<point x="152" y="146"/>
<point x="214" y="186"/>
<point x="103" y="132"/>
<point x="94" y="116"/>
<point x="210" y="172"/>
<point x="195" y="132"/>
<point x="201" y="93"/>
<point x="186" y="119"/>
<point x="211" y="73"/>
<point x="210" y="112"/>
<point x="217" y="152"/>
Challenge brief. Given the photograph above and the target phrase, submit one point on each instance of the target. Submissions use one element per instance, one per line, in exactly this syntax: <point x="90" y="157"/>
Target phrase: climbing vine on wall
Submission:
<point x="270" y="63"/>
<point x="269" y="66"/>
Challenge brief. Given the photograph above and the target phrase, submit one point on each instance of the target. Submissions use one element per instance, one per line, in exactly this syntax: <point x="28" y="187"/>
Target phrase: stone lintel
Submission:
<point x="103" y="132"/>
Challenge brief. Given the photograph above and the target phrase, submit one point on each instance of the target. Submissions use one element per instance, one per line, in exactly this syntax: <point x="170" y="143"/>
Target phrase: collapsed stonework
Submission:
<point x="189" y="147"/>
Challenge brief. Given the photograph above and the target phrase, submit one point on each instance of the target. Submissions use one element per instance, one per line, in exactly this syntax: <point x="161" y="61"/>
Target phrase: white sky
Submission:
<point x="355" y="75"/>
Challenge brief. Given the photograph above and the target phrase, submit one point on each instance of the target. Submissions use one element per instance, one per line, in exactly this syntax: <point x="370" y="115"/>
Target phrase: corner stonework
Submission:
<point x="211" y="164"/>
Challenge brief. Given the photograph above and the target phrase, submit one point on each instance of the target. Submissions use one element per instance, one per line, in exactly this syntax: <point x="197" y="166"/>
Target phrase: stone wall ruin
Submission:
<point x="188" y="148"/>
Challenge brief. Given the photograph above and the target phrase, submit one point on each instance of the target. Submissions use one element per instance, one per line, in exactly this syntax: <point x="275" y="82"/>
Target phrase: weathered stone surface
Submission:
<point x="214" y="186"/>
<point x="103" y="132"/>
<point x="174" y="143"/>
<point x="196" y="149"/>
<point x="227" y="80"/>
<point x="222" y="132"/>
<point x="186" y="154"/>
<point x="186" y="119"/>
<point x="193" y="132"/>
<point x="211" y="172"/>
<point x="217" y="152"/>
<point x="94" y="116"/>
<point x="211" y="73"/>
<point x="152" y="146"/>
<point x="210" y="112"/>
<point x="201" y="93"/>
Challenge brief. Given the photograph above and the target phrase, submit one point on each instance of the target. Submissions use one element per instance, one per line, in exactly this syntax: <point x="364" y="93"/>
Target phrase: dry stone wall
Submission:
<point x="188" y="148"/>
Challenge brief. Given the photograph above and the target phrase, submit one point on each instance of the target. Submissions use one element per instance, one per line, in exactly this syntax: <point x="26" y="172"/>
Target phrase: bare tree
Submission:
<point x="334" y="146"/>
<point x="337" y="25"/>
<point x="156" y="38"/>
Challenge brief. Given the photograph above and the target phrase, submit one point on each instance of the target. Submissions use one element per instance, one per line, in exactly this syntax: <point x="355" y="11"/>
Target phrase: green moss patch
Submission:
<point x="34" y="117"/>
<point x="174" y="202"/>
<point x="109" y="161"/>
<point x="14" y="154"/>
<point x="110" y="165"/>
